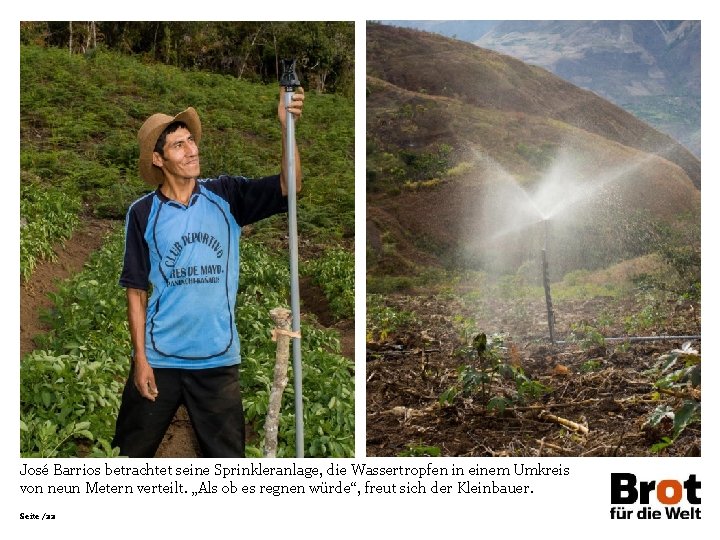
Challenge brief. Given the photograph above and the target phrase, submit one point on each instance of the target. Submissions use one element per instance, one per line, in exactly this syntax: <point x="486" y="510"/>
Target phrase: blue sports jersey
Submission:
<point x="191" y="257"/>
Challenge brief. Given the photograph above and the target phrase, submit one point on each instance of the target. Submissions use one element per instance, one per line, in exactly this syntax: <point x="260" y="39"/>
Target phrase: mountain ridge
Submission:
<point x="649" y="68"/>
<point x="511" y="85"/>
<point x="440" y="133"/>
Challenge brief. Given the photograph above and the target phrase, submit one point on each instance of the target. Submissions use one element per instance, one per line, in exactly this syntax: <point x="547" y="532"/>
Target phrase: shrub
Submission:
<point x="334" y="272"/>
<point x="47" y="216"/>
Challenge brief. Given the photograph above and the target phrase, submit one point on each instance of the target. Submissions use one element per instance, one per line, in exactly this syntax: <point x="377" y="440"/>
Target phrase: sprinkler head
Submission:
<point x="546" y="222"/>
<point x="289" y="78"/>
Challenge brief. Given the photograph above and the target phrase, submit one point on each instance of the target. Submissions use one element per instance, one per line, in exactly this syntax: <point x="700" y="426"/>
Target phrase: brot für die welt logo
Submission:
<point x="680" y="499"/>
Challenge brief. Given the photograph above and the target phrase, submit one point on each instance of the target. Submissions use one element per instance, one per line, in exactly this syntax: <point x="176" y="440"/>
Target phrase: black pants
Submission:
<point x="213" y="401"/>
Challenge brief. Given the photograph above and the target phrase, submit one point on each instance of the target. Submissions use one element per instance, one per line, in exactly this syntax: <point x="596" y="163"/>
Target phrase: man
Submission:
<point x="183" y="240"/>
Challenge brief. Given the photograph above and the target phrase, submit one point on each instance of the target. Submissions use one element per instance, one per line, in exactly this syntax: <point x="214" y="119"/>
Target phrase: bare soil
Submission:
<point x="604" y="388"/>
<point x="70" y="258"/>
<point x="180" y="440"/>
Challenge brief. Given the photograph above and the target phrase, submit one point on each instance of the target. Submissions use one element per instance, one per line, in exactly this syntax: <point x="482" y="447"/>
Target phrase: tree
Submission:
<point x="248" y="50"/>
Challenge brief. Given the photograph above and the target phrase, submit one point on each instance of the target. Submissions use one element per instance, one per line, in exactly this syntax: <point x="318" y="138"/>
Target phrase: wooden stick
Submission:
<point x="282" y="318"/>
<point x="682" y="395"/>
<point x="553" y="405"/>
<point x="375" y="355"/>
<point x="543" y="442"/>
<point x="544" y="415"/>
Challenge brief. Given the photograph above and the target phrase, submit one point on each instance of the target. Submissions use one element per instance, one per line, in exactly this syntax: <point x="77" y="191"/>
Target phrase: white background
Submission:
<point x="561" y="507"/>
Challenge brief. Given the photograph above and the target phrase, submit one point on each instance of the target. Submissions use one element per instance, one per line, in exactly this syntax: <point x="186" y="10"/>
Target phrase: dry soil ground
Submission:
<point x="606" y="389"/>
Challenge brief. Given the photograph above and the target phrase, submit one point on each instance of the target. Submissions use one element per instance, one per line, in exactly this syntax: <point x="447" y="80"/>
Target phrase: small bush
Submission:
<point x="48" y="216"/>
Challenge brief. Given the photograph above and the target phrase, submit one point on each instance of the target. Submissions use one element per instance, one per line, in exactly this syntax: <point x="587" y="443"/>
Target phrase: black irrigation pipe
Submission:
<point x="639" y="338"/>
<point x="551" y="312"/>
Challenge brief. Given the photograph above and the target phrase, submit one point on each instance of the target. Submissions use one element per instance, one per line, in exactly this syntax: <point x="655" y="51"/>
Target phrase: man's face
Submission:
<point x="181" y="158"/>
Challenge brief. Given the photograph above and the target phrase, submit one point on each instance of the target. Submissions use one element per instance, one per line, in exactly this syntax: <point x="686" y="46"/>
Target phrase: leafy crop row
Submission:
<point x="328" y="386"/>
<point x="80" y="116"/>
<point x="47" y="217"/>
<point x="334" y="272"/>
<point x="79" y="120"/>
<point x="70" y="387"/>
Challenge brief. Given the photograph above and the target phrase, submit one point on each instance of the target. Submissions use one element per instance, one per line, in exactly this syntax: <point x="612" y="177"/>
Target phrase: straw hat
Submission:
<point x="149" y="134"/>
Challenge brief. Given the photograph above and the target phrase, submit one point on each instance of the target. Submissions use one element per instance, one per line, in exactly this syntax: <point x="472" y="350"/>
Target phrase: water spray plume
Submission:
<point x="588" y="199"/>
<point x="598" y="200"/>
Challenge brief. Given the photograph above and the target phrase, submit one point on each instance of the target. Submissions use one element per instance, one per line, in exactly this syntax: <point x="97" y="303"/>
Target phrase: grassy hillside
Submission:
<point x="80" y="116"/>
<point x="79" y="120"/>
<point x="459" y="140"/>
<point x="438" y="66"/>
<point x="514" y="223"/>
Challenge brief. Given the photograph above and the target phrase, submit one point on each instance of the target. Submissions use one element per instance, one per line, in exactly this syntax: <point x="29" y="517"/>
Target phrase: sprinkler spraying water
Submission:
<point x="592" y="211"/>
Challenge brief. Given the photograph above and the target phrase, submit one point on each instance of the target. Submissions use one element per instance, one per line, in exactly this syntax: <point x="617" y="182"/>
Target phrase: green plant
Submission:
<point x="80" y="116"/>
<point x="420" y="450"/>
<point x="79" y="375"/>
<point x="76" y="378"/>
<point x="427" y="165"/>
<point x="586" y="334"/>
<point x="623" y="347"/>
<point x="526" y="387"/>
<point x="649" y="317"/>
<point x="679" y="249"/>
<point x="466" y="328"/>
<point x="382" y="320"/>
<point x="591" y="365"/>
<point x="45" y="438"/>
<point x="328" y="388"/>
<point x="679" y="377"/>
<point x="334" y="272"/>
<point x="482" y="377"/>
<point x="48" y="216"/>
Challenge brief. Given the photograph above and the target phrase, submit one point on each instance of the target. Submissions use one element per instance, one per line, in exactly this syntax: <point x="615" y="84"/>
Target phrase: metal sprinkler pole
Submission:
<point x="546" y="285"/>
<point x="290" y="81"/>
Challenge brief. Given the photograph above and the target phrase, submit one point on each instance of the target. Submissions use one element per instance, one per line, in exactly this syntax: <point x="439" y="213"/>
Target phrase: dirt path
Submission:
<point x="313" y="301"/>
<point x="179" y="441"/>
<point x="70" y="259"/>
<point x="34" y="299"/>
